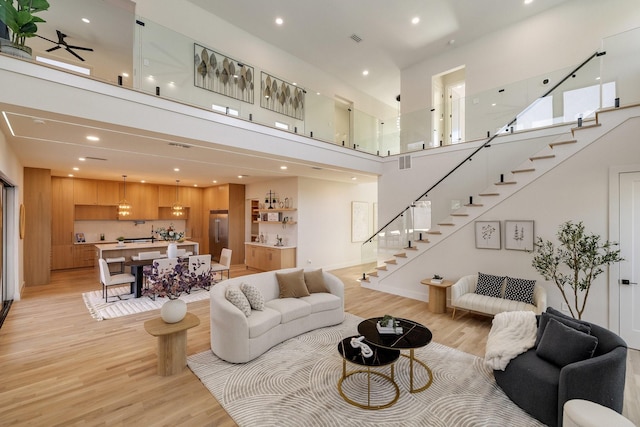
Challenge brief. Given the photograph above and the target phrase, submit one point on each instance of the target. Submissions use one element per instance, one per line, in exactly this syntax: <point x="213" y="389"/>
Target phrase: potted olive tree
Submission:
<point x="574" y="265"/>
<point x="19" y="17"/>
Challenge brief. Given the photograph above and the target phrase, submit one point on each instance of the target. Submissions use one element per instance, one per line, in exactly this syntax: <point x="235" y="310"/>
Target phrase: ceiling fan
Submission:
<point x="61" y="43"/>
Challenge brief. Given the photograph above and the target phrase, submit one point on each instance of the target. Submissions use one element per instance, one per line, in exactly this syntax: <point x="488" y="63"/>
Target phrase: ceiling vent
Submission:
<point x="404" y="162"/>
<point x="96" y="158"/>
<point x="176" y="144"/>
<point x="356" y="38"/>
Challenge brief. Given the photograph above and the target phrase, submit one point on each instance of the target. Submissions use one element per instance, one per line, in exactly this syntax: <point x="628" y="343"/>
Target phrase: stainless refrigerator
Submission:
<point x="218" y="233"/>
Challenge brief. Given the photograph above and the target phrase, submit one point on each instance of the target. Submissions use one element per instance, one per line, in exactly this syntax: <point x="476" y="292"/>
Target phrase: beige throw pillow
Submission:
<point x="315" y="281"/>
<point x="253" y="295"/>
<point x="292" y="284"/>
<point x="237" y="298"/>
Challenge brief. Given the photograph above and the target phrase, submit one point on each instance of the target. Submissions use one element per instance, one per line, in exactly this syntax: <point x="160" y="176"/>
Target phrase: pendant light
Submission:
<point x="177" y="209"/>
<point x="124" y="208"/>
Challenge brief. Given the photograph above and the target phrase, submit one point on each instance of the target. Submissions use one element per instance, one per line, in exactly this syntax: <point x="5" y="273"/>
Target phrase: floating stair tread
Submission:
<point x="422" y="241"/>
<point x="391" y="261"/>
<point x="573" y="130"/>
<point x="448" y="224"/>
<point x="555" y="144"/>
<point x="459" y="214"/>
<point x="488" y="194"/>
<point x="523" y="170"/>
<point x="506" y="183"/>
<point x="366" y="279"/>
<point x="434" y="232"/>
<point x="400" y="255"/>
<point x="373" y="274"/>
<point x="546" y="156"/>
<point x="381" y="267"/>
<point x="474" y="205"/>
<point x="412" y="248"/>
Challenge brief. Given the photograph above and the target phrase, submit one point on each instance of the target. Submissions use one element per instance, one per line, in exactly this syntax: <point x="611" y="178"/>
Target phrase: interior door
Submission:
<point x="630" y="250"/>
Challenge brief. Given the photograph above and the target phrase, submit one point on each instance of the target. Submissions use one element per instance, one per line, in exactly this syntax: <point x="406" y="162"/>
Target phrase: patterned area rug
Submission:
<point x="101" y="310"/>
<point x="295" y="384"/>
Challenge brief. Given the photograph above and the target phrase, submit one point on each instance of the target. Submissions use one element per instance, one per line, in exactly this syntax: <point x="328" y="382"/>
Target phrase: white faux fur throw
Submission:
<point x="512" y="333"/>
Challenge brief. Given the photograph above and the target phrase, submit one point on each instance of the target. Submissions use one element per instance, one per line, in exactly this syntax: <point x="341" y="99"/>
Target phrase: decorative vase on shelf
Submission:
<point x="172" y="250"/>
<point x="173" y="310"/>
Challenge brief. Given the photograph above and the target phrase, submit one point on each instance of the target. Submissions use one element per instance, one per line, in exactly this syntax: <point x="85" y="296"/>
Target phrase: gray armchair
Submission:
<point x="541" y="388"/>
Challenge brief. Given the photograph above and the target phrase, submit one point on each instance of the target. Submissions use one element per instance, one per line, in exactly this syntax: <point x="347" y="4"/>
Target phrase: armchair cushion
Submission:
<point x="489" y="285"/>
<point x="562" y="344"/>
<point x="520" y="290"/>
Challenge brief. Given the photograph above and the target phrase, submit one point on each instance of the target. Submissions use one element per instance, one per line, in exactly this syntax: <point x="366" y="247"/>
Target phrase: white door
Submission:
<point x="630" y="250"/>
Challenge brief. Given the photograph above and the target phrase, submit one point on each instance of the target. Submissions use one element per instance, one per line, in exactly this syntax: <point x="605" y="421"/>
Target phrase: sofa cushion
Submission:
<point x="292" y="284"/>
<point x="255" y="298"/>
<point x="562" y="344"/>
<point x="490" y="305"/>
<point x="549" y="314"/>
<point x="322" y="302"/>
<point x="520" y="290"/>
<point x="263" y="321"/>
<point x="235" y="296"/>
<point x="290" y="308"/>
<point x="489" y="285"/>
<point x="315" y="281"/>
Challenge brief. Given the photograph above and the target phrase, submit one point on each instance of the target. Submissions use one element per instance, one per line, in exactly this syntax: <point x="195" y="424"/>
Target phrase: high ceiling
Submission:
<point x="318" y="32"/>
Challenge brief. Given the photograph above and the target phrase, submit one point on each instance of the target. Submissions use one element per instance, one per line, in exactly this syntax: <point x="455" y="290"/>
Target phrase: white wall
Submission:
<point x="578" y="190"/>
<point x="11" y="171"/>
<point x="560" y="37"/>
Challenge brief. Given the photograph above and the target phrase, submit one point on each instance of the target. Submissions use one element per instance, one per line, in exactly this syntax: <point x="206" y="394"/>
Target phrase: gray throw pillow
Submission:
<point x="563" y="345"/>
<point x="489" y="285"/>
<point x="565" y="320"/>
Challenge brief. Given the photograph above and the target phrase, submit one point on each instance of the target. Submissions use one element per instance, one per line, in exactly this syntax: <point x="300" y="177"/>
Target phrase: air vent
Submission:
<point x="356" y="38"/>
<point x="404" y="162"/>
<point x="96" y="158"/>
<point x="176" y="144"/>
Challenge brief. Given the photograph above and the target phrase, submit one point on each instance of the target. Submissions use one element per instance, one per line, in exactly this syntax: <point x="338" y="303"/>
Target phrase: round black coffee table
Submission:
<point x="381" y="357"/>
<point x="414" y="335"/>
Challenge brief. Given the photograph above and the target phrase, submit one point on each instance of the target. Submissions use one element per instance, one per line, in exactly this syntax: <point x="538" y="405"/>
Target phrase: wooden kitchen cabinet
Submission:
<point x="108" y="193"/>
<point x="94" y="192"/>
<point x="143" y="199"/>
<point x="62" y="217"/>
<point x="84" y="256"/>
<point x="62" y="257"/>
<point x="267" y="258"/>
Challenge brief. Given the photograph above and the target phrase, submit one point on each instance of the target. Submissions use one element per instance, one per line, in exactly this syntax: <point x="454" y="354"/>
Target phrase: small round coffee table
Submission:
<point x="380" y="357"/>
<point x="414" y="335"/>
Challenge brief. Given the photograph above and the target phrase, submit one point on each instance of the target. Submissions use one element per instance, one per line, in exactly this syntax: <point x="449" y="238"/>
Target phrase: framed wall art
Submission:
<point x="488" y="234"/>
<point x="359" y="221"/>
<point x="222" y="74"/>
<point x="281" y="97"/>
<point x="518" y="235"/>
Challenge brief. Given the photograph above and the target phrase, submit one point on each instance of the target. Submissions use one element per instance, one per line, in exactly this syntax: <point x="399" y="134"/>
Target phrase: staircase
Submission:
<point x="511" y="182"/>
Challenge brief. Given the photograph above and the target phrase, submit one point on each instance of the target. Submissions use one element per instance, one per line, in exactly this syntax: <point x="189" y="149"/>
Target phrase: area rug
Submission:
<point x="295" y="384"/>
<point x="100" y="310"/>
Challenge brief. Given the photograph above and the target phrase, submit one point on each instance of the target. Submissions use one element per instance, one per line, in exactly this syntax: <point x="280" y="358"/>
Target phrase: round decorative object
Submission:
<point x="172" y="250"/>
<point x="173" y="310"/>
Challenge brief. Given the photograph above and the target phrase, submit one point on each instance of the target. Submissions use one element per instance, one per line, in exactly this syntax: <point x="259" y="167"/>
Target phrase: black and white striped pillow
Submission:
<point x="489" y="285"/>
<point x="520" y="290"/>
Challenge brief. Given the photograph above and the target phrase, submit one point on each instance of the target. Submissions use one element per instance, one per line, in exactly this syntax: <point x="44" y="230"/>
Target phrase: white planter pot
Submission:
<point x="173" y="310"/>
<point x="172" y="250"/>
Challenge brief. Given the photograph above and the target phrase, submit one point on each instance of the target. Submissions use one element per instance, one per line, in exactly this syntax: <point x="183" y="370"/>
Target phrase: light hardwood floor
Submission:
<point x="58" y="366"/>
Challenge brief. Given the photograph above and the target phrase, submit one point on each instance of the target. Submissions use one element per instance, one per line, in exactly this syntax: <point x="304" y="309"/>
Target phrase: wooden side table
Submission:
<point x="172" y="342"/>
<point x="437" y="295"/>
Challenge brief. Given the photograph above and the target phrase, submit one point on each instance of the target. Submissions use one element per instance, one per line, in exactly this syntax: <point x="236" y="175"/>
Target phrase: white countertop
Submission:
<point x="143" y="245"/>
<point x="269" y="245"/>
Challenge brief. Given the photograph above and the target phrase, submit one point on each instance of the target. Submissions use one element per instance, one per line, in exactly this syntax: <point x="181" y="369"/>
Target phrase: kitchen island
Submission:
<point x="127" y="250"/>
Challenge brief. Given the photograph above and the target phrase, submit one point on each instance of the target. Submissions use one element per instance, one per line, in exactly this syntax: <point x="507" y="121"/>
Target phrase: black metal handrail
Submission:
<point x="486" y="144"/>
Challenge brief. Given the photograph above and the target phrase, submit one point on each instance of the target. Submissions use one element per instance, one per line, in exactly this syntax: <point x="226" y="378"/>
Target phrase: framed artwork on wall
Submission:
<point x="488" y="235"/>
<point x="359" y="221"/>
<point x="221" y="74"/>
<point x="518" y="235"/>
<point x="281" y="96"/>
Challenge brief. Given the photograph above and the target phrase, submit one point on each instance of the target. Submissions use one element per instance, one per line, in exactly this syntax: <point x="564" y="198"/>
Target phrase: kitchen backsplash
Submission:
<point x="128" y="229"/>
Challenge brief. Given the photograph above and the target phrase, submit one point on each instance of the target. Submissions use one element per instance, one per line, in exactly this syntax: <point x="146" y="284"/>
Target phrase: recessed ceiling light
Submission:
<point x="283" y="168"/>
<point x="142" y="181"/>
<point x="279" y="21"/>
<point x="365" y="73"/>
<point x="195" y="185"/>
<point x="528" y="1"/>
<point x="82" y="159"/>
<point x="86" y="20"/>
<point x="70" y="175"/>
<point x="294" y="83"/>
<point x="176" y="169"/>
<point x="93" y="138"/>
<point x="76" y="169"/>
<point x="317" y="93"/>
<point x="353" y="178"/>
<point x="415" y="20"/>
<point x="240" y="176"/>
<point x="38" y="121"/>
<point x="214" y="181"/>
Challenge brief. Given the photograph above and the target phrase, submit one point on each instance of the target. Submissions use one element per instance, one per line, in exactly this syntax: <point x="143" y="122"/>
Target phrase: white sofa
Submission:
<point x="463" y="296"/>
<point x="238" y="338"/>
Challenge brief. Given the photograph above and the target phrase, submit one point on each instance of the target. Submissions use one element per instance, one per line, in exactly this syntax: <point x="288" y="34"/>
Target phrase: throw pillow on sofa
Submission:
<point x="292" y="284"/>
<point x="562" y="344"/>
<point x="255" y="298"/>
<point x="315" y="281"/>
<point x="236" y="297"/>
<point x="520" y="290"/>
<point x="565" y="320"/>
<point x="489" y="285"/>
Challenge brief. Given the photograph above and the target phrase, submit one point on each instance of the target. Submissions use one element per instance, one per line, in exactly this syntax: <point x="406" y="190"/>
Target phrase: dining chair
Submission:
<point x="108" y="280"/>
<point x="224" y="264"/>
<point x="200" y="268"/>
<point x="160" y="268"/>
